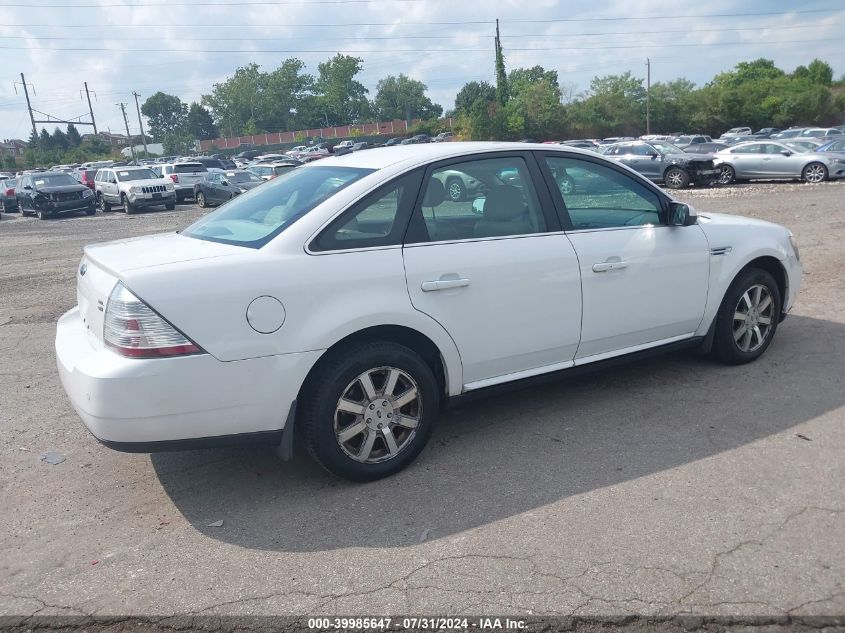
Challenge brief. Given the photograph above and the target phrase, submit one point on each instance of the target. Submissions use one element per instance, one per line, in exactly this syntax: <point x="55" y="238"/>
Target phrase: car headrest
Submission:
<point x="435" y="194"/>
<point x="503" y="203"/>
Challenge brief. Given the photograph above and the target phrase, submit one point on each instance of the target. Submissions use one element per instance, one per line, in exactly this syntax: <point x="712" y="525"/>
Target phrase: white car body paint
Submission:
<point x="520" y="314"/>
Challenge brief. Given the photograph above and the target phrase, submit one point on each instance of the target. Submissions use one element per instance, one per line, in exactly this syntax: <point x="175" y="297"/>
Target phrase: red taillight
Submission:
<point x="174" y="177"/>
<point x="10" y="192"/>
<point x="133" y="329"/>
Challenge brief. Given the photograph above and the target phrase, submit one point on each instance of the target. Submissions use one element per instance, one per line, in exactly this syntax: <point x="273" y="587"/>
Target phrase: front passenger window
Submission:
<point x="599" y="197"/>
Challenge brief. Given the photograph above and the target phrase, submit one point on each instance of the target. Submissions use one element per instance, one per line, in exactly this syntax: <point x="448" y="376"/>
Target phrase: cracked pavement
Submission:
<point x="672" y="486"/>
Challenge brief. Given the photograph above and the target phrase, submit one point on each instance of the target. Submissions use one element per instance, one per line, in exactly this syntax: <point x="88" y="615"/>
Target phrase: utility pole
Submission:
<point x="126" y="122"/>
<point x="648" y="96"/>
<point x="90" y="109"/>
<point x="143" y="136"/>
<point x="29" y="107"/>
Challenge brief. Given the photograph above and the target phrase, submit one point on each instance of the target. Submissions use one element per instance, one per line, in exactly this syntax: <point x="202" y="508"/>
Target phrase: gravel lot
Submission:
<point x="672" y="486"/>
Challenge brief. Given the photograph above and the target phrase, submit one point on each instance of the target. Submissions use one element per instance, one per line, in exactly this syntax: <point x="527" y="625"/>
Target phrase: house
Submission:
<point x="12" y="147"/>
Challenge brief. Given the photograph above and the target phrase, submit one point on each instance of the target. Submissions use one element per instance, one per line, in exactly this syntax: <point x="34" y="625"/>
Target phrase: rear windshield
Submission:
<point x="188" y="168"/>
<point x="256" y="217"/>
<point x="242" y="176"/>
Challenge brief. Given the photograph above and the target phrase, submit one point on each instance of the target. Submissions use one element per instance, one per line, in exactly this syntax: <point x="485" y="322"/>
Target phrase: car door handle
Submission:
<point x="603" y="267"/>
<point x="444" y="284"/>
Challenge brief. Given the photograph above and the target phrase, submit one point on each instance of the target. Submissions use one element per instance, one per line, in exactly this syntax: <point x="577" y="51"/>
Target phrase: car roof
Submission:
<point x="380" y="157"/>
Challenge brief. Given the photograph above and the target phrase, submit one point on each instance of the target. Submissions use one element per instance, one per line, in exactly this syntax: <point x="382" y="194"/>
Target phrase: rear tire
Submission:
<point x="41" y="214"/>
<point x="105" y="206"/>
<point x="727" y="175"/>
<point x="748" y="317"/>
<point x="455" y="189"/>
<point x="200" y="199"/>
<point x="90" y="211"/>
<point x="363" y="433"/>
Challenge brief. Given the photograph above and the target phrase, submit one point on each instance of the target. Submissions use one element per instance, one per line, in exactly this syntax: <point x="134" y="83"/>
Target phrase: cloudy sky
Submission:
<point x="183" y="47"/>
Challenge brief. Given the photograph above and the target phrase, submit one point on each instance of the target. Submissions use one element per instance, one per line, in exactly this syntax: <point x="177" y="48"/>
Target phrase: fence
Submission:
<point x="396" y="127"/>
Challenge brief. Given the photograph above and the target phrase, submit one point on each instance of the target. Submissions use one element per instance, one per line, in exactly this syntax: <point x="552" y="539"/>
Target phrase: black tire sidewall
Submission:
<point x="724" y="344"/>
<point x="317" y="406"/>
<point x="732" y="172"/>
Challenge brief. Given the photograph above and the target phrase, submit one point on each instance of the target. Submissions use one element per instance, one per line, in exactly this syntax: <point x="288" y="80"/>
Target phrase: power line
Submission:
<point x="203" y="4"/>
<point x="412" y="50"/>
<point x="432" y="23"/>
<point x="436" y="37"/>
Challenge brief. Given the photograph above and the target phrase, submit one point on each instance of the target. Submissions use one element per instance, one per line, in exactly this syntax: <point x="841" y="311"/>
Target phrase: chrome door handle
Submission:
<point x="444" y="284"/>
<point x="603" y="267"/>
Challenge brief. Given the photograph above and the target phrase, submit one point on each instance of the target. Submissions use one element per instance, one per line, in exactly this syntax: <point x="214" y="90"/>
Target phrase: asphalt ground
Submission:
<point x="671" y="486"/>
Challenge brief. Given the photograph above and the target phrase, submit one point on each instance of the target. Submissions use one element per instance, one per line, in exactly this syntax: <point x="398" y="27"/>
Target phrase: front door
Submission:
<point x="643" y="282"/>
<point x="495" y="271"/>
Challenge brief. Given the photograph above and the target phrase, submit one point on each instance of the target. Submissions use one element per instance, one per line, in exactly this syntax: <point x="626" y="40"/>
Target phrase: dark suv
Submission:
<point x="53" y="192"/>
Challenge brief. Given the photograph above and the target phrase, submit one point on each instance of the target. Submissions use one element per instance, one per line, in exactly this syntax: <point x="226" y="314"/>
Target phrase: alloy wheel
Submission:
<point x="377" y="415"/>
<point x="753" y="318"/>
<point x="726" y="175"/>
<point x="814" y="173"/>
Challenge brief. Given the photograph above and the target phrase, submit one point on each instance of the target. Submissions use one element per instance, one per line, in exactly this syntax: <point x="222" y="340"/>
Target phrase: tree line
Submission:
<point x="522" y="103"/>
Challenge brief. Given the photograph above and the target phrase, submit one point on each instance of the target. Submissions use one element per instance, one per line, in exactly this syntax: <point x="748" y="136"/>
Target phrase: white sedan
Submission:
<point x="351" y="298"/>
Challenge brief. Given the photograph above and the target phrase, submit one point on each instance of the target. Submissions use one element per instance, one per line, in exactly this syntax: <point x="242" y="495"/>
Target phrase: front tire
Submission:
<point x="726" y="175"/>
<point x="104" y="206"/>
<point x="676" y="178"/>
<point x="200" y="199"/>
<point x="369" y="410"/>
<point x="748" y="317"/>
<point x="814" y="173"/>
<point x="128" y="207"/>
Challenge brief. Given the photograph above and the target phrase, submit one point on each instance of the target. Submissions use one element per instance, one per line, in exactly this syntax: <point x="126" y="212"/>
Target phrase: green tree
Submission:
<point x="45" y="141"/>
<point x="199" y="123"/>
<point x="535" y="111"/>
<point x="33" y="140"/>
<point x="397" y="96"/>
<point x="470" y="93"/>
<point x="167" y="115"/>
<point x="290" y="98"/>
<point x="341" y="98"/>
<point x="502" y="92"/>
<point x="520" y="79"/>
<point x="73" y="137"/>
<point x="9" y="162"/>
<point x="59" y="140"/>
<point x="818" y="72"/>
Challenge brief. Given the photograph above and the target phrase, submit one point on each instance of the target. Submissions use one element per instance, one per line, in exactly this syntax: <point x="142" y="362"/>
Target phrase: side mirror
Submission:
<point x="225" y="183"/>
<point x="478" y="206"/>
<point x="28" y="187"/>
<point x="785" y="152"/>
<point x="680" y="214"/>
<point x="654" y="155"/>
<point x="113" y="181"/>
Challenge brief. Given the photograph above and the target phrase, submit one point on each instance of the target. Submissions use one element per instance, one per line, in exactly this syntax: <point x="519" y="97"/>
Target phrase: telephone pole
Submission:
<point x="140" y="124"/>
<point x="648" y="96"/>
<point x="128" y="135"/>
<point x="90" y="109"/>
<point x="29" y="106"/>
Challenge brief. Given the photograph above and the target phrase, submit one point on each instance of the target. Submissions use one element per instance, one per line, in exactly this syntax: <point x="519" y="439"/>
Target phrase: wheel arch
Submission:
<point x="409" y="337"/>
<point x="775" y="268"/>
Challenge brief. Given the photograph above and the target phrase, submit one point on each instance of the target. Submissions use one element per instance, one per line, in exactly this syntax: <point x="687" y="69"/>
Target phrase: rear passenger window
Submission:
<point x="481" y="198"/>
<point x="379" y="220"/>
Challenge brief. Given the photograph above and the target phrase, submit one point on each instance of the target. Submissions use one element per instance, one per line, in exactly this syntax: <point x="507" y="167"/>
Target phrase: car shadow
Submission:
<point x="495" y="458"/>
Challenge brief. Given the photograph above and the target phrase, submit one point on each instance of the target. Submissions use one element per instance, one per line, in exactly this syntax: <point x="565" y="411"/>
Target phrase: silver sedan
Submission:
<point x="771" y="159"/>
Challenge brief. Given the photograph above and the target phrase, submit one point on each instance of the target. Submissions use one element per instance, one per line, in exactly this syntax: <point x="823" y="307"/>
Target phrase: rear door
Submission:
<point x="746" y="160"/>
<point x="496" y="272"/>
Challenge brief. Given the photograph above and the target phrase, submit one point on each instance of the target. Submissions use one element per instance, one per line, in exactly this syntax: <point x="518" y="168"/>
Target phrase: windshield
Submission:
<point x="243" y="176"/>
<point x="54" y="180"/>
<point x="800" y="147"/>
<point x="256" y="217"/>
<point x="667" y="148"/>
<point x="125" y="175"/>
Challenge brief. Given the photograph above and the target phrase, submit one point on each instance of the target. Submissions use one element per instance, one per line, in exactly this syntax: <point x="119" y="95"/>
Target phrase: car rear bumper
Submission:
<point x="165" y="403"/>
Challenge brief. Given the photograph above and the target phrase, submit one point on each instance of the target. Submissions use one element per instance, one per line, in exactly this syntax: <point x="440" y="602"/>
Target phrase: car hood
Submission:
<point x="150" y="182"/>
<point x="706" y="219"/>
<point x="61" y="189"/>
<point x="246" y="186"/>
<point x="687" y="158"/>
<point x="120" y="256"/>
